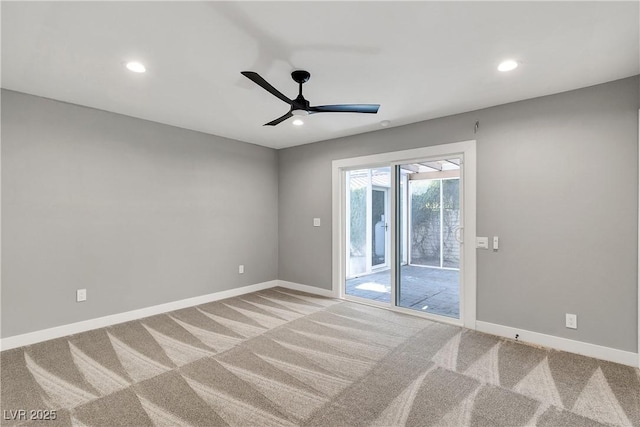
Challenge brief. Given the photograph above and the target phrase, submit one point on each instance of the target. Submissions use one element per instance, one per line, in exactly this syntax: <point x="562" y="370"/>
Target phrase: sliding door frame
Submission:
<point x="466" y="150"/>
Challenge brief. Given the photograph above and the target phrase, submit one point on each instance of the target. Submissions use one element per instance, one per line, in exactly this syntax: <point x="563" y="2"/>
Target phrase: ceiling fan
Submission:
<point x="300" y="106"/>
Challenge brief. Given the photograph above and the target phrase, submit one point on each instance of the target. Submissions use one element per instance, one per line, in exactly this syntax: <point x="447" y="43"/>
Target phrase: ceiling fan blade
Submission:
<point x="255" y="77"/>
<point x="345" y="108"/>
<point x="279" y="119"/>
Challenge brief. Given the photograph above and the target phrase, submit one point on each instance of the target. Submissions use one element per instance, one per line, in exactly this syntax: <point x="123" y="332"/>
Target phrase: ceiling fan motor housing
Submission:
<point x="300" y="103"/>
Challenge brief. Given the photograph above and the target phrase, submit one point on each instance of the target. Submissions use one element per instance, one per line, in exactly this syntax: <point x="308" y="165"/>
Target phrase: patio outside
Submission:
<point x="431" y="290"/>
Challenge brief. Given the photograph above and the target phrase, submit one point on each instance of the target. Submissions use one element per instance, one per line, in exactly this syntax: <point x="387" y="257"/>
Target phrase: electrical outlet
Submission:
<point x="241" y="269"/>
<point x="572" y="321"/>
<point x="81" y="295"/>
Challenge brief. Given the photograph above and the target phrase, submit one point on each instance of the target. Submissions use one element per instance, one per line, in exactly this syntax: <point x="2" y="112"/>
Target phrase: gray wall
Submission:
<point x="557" y="181"/>
<point x="136" y="212"/>
<point x="141" y="213"/>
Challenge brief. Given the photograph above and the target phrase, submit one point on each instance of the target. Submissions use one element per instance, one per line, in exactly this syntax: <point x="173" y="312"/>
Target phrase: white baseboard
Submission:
<point x="550" y="341"/>
<point x="101" y="322"/>
<point x="558" y="343"/>
<point x="564" y="344"/>
<point x="306" y="288"/>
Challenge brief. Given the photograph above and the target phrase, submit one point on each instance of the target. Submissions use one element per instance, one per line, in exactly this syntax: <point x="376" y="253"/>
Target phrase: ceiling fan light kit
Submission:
<point x="299" y="106"/>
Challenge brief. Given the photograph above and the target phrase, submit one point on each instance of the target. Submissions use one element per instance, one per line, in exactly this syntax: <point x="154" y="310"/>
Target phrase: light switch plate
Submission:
<point x="482" y="242"/>
<point x="81" y="295"/>
<point x="316" y="222"/>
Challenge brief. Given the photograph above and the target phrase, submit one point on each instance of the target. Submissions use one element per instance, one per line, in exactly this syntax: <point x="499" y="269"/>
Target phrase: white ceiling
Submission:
<point x="419" y="60"/>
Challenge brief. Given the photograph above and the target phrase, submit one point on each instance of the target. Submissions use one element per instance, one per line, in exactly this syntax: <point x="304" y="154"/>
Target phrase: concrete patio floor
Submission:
<point x="431" y="290"/>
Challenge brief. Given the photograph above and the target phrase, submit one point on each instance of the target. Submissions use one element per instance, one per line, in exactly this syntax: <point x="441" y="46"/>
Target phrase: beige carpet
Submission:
<point x="283" y="358"/>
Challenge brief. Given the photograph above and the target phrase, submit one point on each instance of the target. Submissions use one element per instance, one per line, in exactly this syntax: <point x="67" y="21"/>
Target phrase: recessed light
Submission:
<point x="507" y="65"/>
<point x="136" y="67"/>
<point x="298" y="122"/>
<point x="385" y="123"/>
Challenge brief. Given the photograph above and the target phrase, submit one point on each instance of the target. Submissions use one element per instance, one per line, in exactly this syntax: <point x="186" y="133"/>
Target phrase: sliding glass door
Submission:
<point x="403" y="235"/>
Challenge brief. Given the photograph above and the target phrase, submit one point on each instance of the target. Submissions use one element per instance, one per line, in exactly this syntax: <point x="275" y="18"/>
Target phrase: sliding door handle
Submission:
<point x="459" y="234"/>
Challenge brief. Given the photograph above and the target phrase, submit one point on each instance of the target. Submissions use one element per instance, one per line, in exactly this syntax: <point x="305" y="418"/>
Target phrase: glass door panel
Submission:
<point x="368" y="273"/>
<point x="429" y="222"/>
